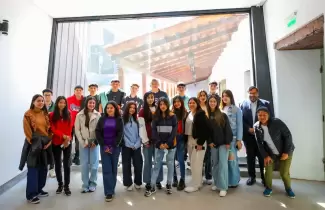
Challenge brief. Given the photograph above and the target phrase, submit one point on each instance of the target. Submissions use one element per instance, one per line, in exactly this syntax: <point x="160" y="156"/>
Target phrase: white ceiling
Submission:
<point x="78" y="8"/>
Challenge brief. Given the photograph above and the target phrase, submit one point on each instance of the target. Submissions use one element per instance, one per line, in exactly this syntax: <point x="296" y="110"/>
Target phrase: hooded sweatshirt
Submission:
<point x="74" y="106"/>
<point x="164" y="131"/>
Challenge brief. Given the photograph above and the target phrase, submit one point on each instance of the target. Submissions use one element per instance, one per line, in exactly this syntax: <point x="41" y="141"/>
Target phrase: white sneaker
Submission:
<point x="137" y="186"/>
<point x="223" y="193"/>
<point x="191" y="189"/>
<point x="130" y="188"/>
<point x="52" y="173"/>
<point x="208" y="181"/>
<point x="214" y="188"/>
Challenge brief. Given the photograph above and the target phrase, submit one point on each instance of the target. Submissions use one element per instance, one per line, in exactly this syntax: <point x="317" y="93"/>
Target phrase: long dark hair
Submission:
<point x="146" y="108"/>
<point x="196" y="100"/>
<point x="206" y="96"/>
<point x="65" y="112"/>
<point x="181" y="112"/>
<point x="159" y="113"/>
<point x="126" y="113"/>
<point x="230" y="95"/>
<point x="86" y="110"/>
<point x="116" y="109"/>
<point x="218" y="116"/>
<point x="44" y="109"/>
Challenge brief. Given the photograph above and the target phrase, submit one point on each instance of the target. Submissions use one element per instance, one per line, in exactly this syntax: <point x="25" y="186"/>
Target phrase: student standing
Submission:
<point x="109" y="132"/>
<point x="219" y="144"/>
<point x="146" y="116"/>
<point x="164" y="130"/>
<point x="85" y="125"/>
<point x="61" y="127"/>
<point x="35" y="151"/>
<point x="131" y="151"/>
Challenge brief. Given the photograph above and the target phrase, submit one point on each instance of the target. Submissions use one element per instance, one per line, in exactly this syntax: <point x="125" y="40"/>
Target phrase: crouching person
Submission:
<point x="35" y="151"/>
<point x="274" y="142"/>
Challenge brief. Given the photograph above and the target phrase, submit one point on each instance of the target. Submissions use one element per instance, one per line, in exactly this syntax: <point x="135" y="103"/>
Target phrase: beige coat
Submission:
<point x="81" y="131"/>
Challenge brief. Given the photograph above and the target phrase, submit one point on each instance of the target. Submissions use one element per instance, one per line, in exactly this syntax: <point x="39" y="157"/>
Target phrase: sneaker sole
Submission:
<point x="58" y="193"/>
<point x="150" y="194"/>
<point x="43" y="196"/>
<point x="34" y="202"/>
<point x="109" y="200"/>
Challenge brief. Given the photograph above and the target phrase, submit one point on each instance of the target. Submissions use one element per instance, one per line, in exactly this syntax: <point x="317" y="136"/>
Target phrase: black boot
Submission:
<point x="181" y="185"/>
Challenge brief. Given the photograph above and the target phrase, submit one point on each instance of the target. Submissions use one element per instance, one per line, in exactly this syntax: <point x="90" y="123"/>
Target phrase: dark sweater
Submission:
<point x="201" y="128"/>
<point x="109" y="133"/>
<point x="164" y="131"/>
<point x="220" y="135"/>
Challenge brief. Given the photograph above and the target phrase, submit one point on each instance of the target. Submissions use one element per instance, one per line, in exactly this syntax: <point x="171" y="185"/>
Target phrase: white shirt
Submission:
<point x="189" y="124"/>
<point x="268" y="139"/>
<point x="253" y="108"/>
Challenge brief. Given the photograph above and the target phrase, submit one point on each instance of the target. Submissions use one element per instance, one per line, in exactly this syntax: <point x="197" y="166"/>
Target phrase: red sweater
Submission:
<point x="74" y="106"/>
<point x="60" y="128"/>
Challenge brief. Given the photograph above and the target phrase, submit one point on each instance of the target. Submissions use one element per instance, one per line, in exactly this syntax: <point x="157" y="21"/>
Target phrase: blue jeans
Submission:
<point x="180" y="153"/>
<point x="170" y="160"/>
<point x="148" y="154"/>
<point x="36" y="180"/>
<point x="233" y="167"/>
<point x="89" y="160"/>
<point x="110" y="164"/>
<point x="219" y="158"/>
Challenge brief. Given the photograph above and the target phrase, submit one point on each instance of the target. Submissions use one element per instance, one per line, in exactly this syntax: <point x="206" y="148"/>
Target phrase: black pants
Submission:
<point x="129" y="154"/>
<point x="57" y="152"/>
<point x="253" y="152"/>
<point x="207" y="164"/>
<point x="51" y="160"/>
<point x="76" y="144"/>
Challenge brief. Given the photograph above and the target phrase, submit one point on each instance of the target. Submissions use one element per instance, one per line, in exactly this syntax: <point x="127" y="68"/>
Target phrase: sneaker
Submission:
<point x="148" y="193"/>
<point x="191" y="189"/>
<point x="92" y="189"/>
<point x="108" y="198"/>
<point x="168" y="189"/>
<point x="129" y="188"/>
<point x="52" y="173"/>
<point x="84" y="191"/>
<point x="34" y="200"/>
<point x="175" y="183"/>
<point x="209" y="181"/>
<point x="267" y="192"/>
<point x="137" y="186"/>
<point x="181" y="185"/>
<point x="148" y="186"/>
<point x="76" y="161"/>
<point x="43" y="194"/>
<point x="222" y="193"/>
<point x="159" y="186"/>
<point x="290" y="193"/>
<point x="67" y="191"/>
<point x="214" y="188"/>
<point x="234" y="186"/>
<point x="59" y="190"/>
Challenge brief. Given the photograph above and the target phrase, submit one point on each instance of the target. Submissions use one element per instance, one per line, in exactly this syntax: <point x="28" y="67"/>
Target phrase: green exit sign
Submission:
<point x="292" y="19"/>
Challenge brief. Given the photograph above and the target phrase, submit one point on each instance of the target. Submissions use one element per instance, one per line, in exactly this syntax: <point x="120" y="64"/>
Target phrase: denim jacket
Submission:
<point x="235" y="117"/>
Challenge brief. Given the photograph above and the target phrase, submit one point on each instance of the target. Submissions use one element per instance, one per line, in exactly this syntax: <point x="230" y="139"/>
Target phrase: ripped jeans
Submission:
<point x="233" y="165"/>
<point x="170" y="161"/>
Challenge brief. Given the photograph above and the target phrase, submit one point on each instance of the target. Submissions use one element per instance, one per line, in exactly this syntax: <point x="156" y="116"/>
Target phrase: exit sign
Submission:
<point x="292" y="19"/>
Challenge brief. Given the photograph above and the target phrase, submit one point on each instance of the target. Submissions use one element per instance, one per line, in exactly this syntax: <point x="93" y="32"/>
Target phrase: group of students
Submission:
<point x="208" y="128"/>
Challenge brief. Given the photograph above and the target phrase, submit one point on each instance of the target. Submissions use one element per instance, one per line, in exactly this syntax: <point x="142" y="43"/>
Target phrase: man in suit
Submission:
<point x="249" y="108"/>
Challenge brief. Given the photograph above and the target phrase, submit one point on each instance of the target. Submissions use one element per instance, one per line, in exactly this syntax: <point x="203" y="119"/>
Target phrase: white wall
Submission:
<point x="295" y="80"/>
<point x="234" y="61"/>
<point x="193" y="89"/>
<point x="24" y="56"/>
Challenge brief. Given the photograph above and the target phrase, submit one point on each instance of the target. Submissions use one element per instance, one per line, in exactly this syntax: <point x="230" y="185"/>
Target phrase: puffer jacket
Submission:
<point x="34" y="154"/>
<point x="82" y="132"/>
<point x="280" y="135"/>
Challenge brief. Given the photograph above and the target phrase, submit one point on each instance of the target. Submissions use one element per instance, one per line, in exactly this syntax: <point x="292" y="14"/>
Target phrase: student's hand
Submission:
<point x="93" y="145"/>
<point x="199" y="147"/>
<point x="166" y="146"/>
<point x="239" y="144"/>
<point x="162" y="146"/>
<point x="86" y="145"/>
<point x="268" y="160"/>
<point x="64" y="137"/>
<point x="66" y="143"/>
<point x="107" y="150"/>
<point x="47" y="146"/>
<point x="147" y="144"/>
<point x="284" y="156"/>
<point x="227" y="146"/>
<point x="251" y="130"/>
<point x="212" y="145"/>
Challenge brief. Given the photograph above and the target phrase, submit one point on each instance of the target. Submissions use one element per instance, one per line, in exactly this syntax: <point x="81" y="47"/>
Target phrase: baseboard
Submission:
<point x="12" y="182"/>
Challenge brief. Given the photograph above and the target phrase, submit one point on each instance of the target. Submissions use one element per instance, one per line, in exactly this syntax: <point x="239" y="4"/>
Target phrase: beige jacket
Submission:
<point x="81" y="131"/>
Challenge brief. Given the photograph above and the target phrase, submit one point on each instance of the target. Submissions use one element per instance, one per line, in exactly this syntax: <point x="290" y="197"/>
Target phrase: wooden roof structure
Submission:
<point x="183" y="52"/>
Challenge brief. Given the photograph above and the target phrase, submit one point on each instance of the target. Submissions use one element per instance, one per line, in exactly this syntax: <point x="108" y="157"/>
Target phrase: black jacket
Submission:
<point x="119" y="131"/>
<point x="34" y="154"/>
<point x="220" y="135"/>
<point x="201" y="128"/>
<point x="280" y="134"/>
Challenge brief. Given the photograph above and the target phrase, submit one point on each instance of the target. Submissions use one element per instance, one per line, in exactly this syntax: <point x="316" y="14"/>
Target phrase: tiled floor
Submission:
<point x="310" y="196"/>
